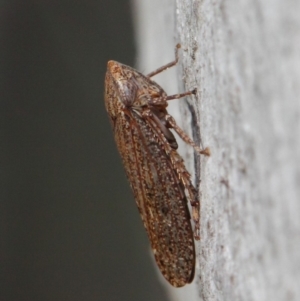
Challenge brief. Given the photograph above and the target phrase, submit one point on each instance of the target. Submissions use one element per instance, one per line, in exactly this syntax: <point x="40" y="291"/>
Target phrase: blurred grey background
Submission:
<point x="69" y="226"/>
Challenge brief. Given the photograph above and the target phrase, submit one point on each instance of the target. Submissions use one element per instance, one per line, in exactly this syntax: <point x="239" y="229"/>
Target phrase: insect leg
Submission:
<point x="192" y="195"/>
<point x="162" y="100"/>
<point x="171" y="121"/>
<point x="195" y="207"/>
<point x="171" y="64"/>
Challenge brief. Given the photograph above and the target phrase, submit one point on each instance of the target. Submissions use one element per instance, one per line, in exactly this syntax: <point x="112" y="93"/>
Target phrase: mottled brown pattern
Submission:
<point x="159" y="180"/>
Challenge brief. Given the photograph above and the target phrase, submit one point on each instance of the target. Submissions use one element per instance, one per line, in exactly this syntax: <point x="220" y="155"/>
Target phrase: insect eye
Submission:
<point x="129" y="92"/>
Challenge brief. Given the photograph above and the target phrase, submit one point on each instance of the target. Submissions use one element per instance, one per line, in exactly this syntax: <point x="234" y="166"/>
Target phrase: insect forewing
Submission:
<point x="154" y="168"/>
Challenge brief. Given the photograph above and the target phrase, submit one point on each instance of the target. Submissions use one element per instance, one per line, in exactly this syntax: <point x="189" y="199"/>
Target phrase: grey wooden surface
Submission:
<point x="244" y="58"/>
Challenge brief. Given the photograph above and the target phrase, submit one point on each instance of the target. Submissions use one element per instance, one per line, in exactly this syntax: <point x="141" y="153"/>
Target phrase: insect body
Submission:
<point x="160" y="182"/>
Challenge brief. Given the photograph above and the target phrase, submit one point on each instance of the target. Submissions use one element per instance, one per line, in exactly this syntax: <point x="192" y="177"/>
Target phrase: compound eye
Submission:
<point x="129" y="93"/>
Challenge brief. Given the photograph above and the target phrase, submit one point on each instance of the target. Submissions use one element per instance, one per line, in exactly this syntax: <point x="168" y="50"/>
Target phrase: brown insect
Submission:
<point x="160" y="182"/>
